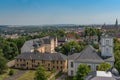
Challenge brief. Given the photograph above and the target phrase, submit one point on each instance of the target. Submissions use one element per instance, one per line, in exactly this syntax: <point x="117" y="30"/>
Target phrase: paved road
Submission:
<point x="16" y="76"/>
<point x="11" y="63"/>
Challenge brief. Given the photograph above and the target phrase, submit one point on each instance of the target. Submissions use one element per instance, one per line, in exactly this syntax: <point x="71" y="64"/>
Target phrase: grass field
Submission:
<point x="6" y="74"/>
<point x="29" y="75"/>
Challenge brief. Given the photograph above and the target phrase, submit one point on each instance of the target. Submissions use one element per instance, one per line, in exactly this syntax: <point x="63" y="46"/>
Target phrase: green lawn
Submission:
<point x="29" y="75"/>
<point x="5" y="75"/>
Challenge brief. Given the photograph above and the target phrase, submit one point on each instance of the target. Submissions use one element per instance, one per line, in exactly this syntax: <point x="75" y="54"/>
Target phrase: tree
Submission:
<point x="96" y="46"/>
<point x="117" y="65"/>
<point x="83" y="71"/>
<point x="104" y="66"/>
<point x="93" y="32"/>
<point x="10" y="50"/>
<point x="66" y="48"/>
<point x="11" y="72"/>
<point x="3" y="63"/>
<point x="40" y="74"/>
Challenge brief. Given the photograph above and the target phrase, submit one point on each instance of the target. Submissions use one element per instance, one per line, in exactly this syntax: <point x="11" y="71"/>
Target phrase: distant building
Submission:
<point x="111" y="27"/>
<point x="62" y="41"/>
<point x="13" y="36"/>
<point x="42" y="45"/>
<point x="71" y="36"/>
<point x="91" y="39"/>
<point x="91" y="57"/>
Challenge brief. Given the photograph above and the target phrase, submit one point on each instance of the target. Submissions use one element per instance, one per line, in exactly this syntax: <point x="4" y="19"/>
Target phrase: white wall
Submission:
<point x="70" y="68"/>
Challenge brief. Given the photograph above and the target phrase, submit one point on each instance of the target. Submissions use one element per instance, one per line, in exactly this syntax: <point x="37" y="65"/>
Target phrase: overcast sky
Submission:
<point x="38" y="12"/>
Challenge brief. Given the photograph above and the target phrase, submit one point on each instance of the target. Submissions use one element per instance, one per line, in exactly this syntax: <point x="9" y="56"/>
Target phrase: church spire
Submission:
<point x="116" y="23"/>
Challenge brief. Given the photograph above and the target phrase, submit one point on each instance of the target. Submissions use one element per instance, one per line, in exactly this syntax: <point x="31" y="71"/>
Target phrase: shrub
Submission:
<point x="11" y="72"/>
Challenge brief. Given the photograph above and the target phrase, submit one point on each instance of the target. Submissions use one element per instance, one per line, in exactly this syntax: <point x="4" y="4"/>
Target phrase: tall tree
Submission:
<point x="83" y="71"/>
<point x="40" y="74"/>
<point x="3" y="62"/>
<point x="10" y="50"/>
<point x="104" y="66"/>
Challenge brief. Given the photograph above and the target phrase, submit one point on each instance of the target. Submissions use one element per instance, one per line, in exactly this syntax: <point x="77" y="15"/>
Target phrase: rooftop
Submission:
<point x="89" y="54"/>
<point x="42" y="56"/>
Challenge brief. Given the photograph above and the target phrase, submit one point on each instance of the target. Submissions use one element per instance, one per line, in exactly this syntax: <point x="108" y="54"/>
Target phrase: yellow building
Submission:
<point x="50" y="61"/>
<point x="42" y="45"/>
<point x="41" y="52"/>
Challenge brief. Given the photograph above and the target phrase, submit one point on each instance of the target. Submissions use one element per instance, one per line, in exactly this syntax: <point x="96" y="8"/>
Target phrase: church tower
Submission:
<point x="116" y="23"/>
<point x="106" y="46"/>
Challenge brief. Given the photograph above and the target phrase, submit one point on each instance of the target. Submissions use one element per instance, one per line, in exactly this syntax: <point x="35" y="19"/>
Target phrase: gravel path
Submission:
<point x="16" y="76"/>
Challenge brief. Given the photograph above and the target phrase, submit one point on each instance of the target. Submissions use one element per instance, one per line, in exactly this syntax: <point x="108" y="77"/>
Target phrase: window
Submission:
<point x="61" y="62"/>
<point x="33" y="61"/>
<point x="53" y="62"/>
<point x="89" y="66"/>
<point x="48" y="64"/>
<point x="107" y="42"/>
<point x="107" y="50"/>
<point x="96" y="67"/>
<point x="57" y="67"/>
<point x="43" y="62"/>
<point x="57" y="62"/>
<point x="20" y="59"/>
<point x="71" y="64"/>
<point x="71" y="72"/>
<point x="61" y="67"/>
<point x="48" y="69"/>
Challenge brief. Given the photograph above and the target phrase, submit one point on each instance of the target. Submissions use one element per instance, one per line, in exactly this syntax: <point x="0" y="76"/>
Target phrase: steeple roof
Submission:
<point x="116" y="23"/>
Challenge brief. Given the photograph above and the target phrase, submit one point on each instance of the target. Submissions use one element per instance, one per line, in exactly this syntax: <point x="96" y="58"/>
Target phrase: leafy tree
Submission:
<point x="96" y="46"/>
<point x="104" y="66"/>
<point x="3" y="66"/>
<point x="117" y="65"/>
<point x="66" y="48"/>
<point x="40" y="74"/>
<point x="10" y="50"/>
<point x="83" y="71"/>
<point x="92" y="32"/>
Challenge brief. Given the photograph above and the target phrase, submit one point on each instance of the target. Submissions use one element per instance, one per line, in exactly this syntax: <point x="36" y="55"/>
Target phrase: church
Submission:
<point x="116" y="26"/>
<point x="91" y="57"/>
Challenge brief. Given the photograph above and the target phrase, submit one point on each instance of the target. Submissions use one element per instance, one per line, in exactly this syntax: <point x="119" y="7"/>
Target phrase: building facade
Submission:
<point x="91" y="57"/>
<point x="42" y="45"/>
<point x="50" y="61"/>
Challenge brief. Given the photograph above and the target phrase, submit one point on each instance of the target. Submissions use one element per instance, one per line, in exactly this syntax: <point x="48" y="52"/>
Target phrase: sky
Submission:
<point x="40" y="12"/>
